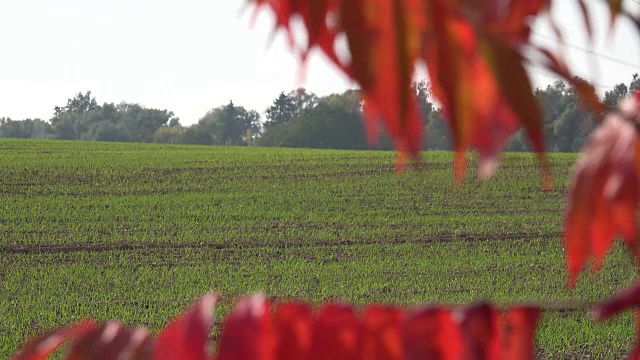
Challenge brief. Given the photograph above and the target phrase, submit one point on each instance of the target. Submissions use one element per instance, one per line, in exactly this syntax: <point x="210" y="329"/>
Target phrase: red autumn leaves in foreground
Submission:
<point x="184" y="338"/>
<point x="293" y="330"/>
<point x="603" y="198"/>
<point x="474" y="53"/>
<point x="256" y="329"/>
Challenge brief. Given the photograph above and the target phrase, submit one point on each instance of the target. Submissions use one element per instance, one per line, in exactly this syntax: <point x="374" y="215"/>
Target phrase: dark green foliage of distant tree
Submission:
<point x="635" y="83"/>
<point x="281" y="111"/>
<point x="197" y="135"/>
<point x="298" y="118"/>
<point x="438" y="134"/>
<point x="552" y="100"/>
<point x="169" y="135"/>
<point x="612" y="97"/>
<point x="518" y="142"/>
<point x="231" y="125"/>
<point x="29" y="128"/>
<point x="334" y="121"/>
<point x="287" y="107"/>
<point x="83" y="119"/>
<point x="141" y="122"/>
<point x="79" y="104"/>
<point x="422" y="89"/>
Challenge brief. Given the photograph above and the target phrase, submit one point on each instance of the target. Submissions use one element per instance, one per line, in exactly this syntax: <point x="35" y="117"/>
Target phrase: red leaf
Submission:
<point x="509" y="18"/>
<point x="43" y="346"/>
<point x="384" y="42"/>
<point x="432" y="334"/>
<point x="480" y="330"/>
<point x="361" y="35"/>
<point x="397" y="49"/>
<point x="450" y="51"/>
<point x="110" y="340"/>
<point x="316" y="15"/>
<point x="587" y="19"/>
<point x="187" y="336"/>
<point x="475" y="84"/>
<point x="384" y="39"/>
<point x="519" y="332"/>
<point x="615" y="8"/>
<point x="519" y="104"/>
<point x="635" y="353"/>
<point x="604" y="192"/>
<point x="478" y="77"/>
<point x="248" y="332"/>
<point x="337" y="334"/>
<point x="382" y="333"/>
<point x="292" y="324"/>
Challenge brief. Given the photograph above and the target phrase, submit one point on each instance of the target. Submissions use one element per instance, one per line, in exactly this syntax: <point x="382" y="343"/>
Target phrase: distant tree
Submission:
<point x="287" y="106"/>
<point x="169" y="135"/>
<point x="143" y="122"/>
<point x="174" y="122"/>
<point x="619" y="92"/>
<point x="255" y="127"/>
<point x="196" y="135"/>
<point x="438" y="133"/>
<point x="79" y="104"/>
<point x="350" y="100"/>
<point x="28" y="128"/>
<point x="303" y="99"/>
<point x="83" y="119"/>
<point x="71" y="122"/>
<point x="333" y="121"/>
<point x="108" y="131"/>
<point x="231" y="124"/>
<point x="566" y="128"/>
<point x="422" y="89"/>
<point x="518" y="142"/>
<point x="586" y="125"/>
<point x="635" y="83"/>
<point x="281" y="111"/>
<point x="552" y="101"/>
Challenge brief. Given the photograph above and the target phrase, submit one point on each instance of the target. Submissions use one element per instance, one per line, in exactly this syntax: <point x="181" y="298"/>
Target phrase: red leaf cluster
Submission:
<point x="604" y="191"/>
<point x="293" y="330"/>
<point x="185" y="338"/>
<point x="472" y="50"/>
<point x="382" y="332"/>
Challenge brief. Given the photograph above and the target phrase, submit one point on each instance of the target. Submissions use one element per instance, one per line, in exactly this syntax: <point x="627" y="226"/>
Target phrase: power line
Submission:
<point x="540" y="73"/>
<point x="588" y="51"/>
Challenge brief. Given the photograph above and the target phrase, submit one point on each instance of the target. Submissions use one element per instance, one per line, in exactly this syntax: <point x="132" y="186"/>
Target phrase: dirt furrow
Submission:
<point x="237" y="243"/>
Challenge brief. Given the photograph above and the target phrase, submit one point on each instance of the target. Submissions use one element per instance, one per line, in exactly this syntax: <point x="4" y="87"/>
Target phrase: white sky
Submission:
<point x="189" y="56"/>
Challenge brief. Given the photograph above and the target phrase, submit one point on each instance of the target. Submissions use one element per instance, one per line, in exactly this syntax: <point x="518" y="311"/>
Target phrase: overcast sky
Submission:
<point x="189" y="56"/>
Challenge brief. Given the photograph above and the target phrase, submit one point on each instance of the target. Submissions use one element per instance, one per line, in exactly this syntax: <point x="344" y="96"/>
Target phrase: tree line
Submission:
<point x="298" y="118"/>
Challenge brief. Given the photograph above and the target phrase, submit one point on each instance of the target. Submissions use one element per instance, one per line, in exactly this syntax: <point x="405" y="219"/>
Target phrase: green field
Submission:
<point x="138" y="231"/>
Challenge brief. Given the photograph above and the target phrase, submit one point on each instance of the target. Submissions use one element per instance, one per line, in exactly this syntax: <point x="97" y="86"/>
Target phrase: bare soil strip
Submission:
<point x="238" y="243"/>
